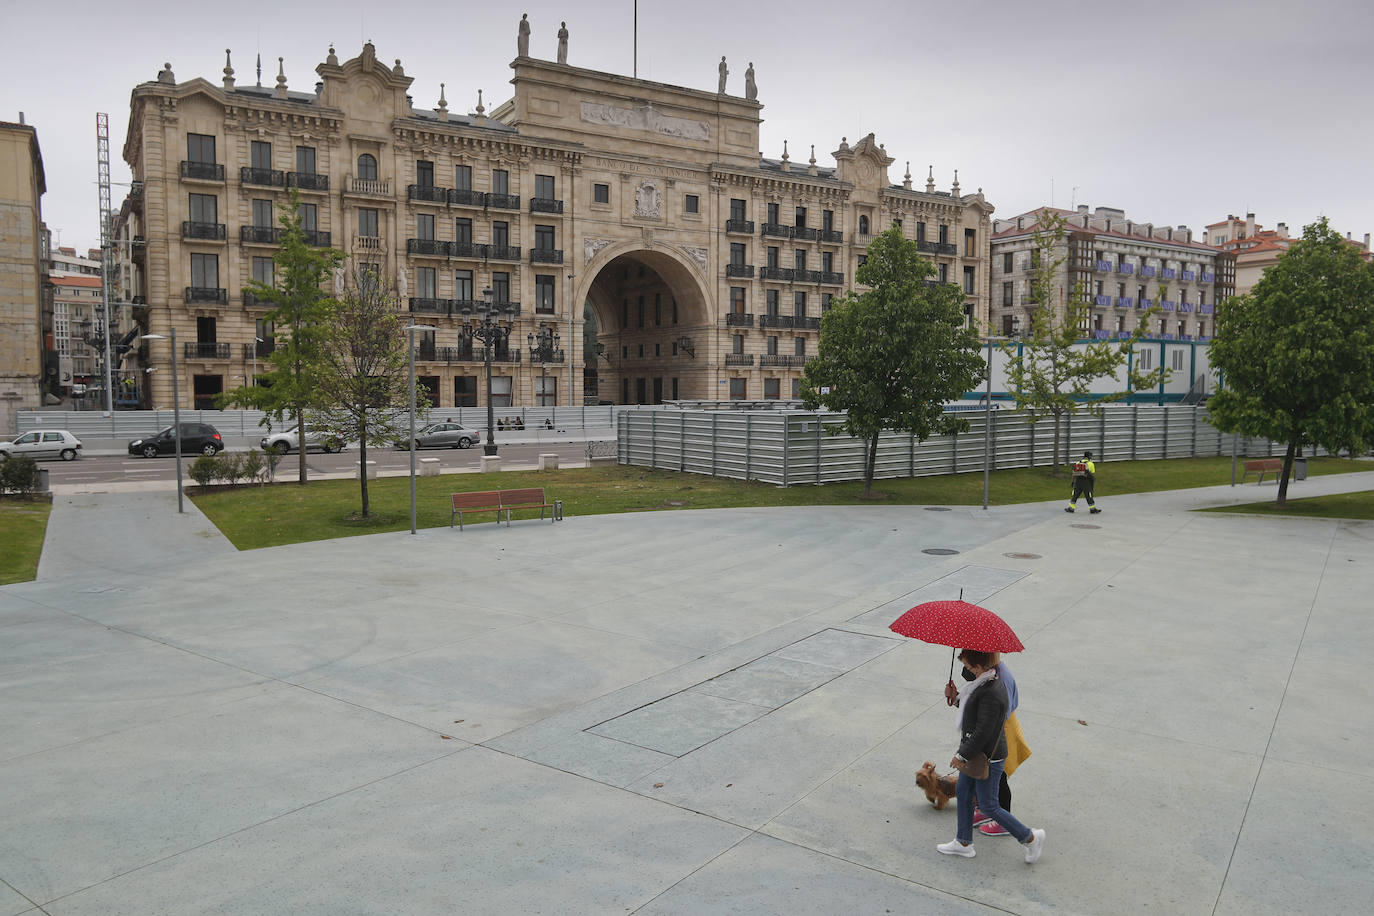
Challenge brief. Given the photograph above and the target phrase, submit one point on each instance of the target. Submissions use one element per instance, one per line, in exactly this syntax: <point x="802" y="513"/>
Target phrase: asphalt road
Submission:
<point x="113" y="468"/>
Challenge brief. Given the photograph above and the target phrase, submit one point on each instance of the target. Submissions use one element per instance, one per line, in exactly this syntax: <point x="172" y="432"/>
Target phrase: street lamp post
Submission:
<point x="410" y="341"/>
<point x="987" y="424"/>
<point x="490" y="331"/>
<point x="254" y="383"/>
<point x="542" y="346"/>
<point x="176" y="410"/>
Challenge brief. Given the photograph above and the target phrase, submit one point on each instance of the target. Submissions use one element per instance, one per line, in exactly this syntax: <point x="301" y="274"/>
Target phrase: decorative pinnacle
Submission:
<point x="332" y="59"/>
<point x="259" y="69"/>
<point x="281" y="78"/>
<point x="228" y="71"/>
<point x="480" y="109"/>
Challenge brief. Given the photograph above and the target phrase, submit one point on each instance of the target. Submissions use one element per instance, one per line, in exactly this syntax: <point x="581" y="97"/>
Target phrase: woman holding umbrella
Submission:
<point x="981" y="756"/>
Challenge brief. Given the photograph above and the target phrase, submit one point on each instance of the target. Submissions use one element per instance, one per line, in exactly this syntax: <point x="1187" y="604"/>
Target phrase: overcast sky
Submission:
<point x="1177" y="112"/>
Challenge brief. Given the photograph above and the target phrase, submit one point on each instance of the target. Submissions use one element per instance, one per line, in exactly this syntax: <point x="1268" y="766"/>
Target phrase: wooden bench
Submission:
<point x="1261" y="465"/>
<point x="498" y="501"/>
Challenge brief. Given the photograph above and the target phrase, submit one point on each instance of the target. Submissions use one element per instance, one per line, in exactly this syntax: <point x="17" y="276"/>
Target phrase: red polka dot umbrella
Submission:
<point x="959" y="624"/>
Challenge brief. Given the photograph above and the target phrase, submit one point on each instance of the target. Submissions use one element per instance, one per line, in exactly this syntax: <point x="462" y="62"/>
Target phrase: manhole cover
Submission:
<point x="1022" y="556"/>
<point x="937" y="508"/>
<point x="1085" y="525"/>
<point x="939" y="551"/>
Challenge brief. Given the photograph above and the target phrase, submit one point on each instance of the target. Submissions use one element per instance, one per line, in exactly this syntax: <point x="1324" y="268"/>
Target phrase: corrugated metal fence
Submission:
<point x="799" y="447"/>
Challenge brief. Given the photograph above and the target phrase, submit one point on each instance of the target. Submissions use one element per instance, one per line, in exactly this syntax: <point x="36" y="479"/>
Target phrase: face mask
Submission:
<point x="967" y="675"/>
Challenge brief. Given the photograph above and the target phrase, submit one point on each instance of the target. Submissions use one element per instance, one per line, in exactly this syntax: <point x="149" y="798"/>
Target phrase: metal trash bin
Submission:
<point x="42" y="480"/>
<point x="1299" y="468"/>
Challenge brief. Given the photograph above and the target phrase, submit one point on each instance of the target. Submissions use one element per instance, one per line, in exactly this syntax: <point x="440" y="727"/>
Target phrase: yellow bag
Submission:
<point x="1017" y="749"/>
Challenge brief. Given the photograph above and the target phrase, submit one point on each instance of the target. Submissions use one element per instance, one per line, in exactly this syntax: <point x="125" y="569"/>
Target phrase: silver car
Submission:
<point x="43" y="443"/>
<point x="285" y="441"/>
<point x="444" y="435"/>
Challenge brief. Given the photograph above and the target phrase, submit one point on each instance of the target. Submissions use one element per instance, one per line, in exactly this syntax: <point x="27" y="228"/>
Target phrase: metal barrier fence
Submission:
<point x="801" y="447"/>
<point x="134" y="423"/>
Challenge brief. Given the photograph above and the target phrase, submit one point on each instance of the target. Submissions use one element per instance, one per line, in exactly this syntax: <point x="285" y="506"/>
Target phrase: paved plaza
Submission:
<point x="684" y="713"/>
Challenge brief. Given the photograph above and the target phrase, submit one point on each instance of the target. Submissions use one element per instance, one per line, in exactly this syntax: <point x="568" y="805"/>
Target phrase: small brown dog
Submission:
<point x="939" y="789"/>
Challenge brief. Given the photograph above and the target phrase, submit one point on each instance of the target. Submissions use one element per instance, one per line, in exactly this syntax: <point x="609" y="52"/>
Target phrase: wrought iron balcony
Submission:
<point x="200" y="350"/>
<point x="465" y="306"/>
<point x="202" y="171"/>
<point x="803" y="323"/>
<point x="781" y="359"/>
<point x="739" y="359"/>
<point x="260" y="235"/>
<point x="1124" y="268"/>
<point x="463" y="353"/>
<point x="426" y="353"/>
<point x="467" y="250"/>
<point x="503" y="253"/>
<point x="806" y="234"/>
<point x="425" y="192"/>
<point x="466" y="197"/>
<point x="776" y="321"/>
<point x="546" y="355"/>
<point x="546" y="256"/>
<point x="833" y="277"/>
<point x="834" y="236"/>
<point x="739" y="319"/>
<point x="775" y="273"/>
<point x="307" y="181"/>
<point x="545" y="205"/>
<point x="212" y="232"/>
<point x="777" y="229"/>
<point x="946" y="248"/>
<point x="1146" y="270"/>
<point x="259" y="350"/>
<point x="499" y="355"/>
<point x="316" y="238"/>
<point x="739" y="270"/>
<point x="926" y="247"/>
<point x="745" y="226"/>
<point x="432" y="247"/>
<point x="217" y="295"/>
<point x="272" y="178"/>
<point x="802" y="275"/>
<point x="503" y="201"/>
<point x="427" y="306"/>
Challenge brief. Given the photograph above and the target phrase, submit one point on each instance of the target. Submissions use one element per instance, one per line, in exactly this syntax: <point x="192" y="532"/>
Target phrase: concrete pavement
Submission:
<point x="683" y="712"/>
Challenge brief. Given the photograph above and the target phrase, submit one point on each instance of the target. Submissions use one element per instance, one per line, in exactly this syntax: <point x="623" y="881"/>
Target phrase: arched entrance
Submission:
<point x="652" y="325"/>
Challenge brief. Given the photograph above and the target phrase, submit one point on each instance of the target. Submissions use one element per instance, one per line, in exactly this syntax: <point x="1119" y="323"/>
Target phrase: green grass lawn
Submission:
<point x="1340" y="505"/>
<point x="287" y="513"/>
<point x="22" y="527"/>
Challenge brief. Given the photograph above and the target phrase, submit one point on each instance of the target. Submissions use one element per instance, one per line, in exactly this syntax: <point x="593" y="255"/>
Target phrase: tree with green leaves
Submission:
<point x="892" y="357"/>
<point x="1051" y="368"/>
<point x="1296" y="354"/>
<point x="302" y="307"/>
<point x="361" y="379"/>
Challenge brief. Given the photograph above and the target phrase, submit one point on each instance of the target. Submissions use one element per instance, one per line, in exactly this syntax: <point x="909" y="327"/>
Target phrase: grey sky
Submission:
<point x="1177" y="112"/>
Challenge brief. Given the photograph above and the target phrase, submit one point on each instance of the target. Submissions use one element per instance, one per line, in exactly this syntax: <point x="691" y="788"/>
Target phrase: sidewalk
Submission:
<point x="683" y="713"/>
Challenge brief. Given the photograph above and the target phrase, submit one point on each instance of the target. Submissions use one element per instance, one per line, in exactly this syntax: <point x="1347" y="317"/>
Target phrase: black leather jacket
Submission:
<point x="984" y="720"/>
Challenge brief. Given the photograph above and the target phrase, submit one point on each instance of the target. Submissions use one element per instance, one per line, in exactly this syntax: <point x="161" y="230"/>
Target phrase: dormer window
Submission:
<point x="367" y="167"/>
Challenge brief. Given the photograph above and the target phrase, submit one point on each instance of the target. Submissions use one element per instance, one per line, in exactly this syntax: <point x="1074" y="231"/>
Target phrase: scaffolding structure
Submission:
<point x="107" y="252"/>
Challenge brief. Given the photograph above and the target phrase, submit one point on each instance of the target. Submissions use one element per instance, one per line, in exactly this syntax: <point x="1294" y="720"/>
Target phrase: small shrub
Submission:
<point x="253" y="466"/>
<point x="231" y="467"/>
<point x="18" y="474"/>
<point x="273" y="459"/>
<point x="204" y="469"/>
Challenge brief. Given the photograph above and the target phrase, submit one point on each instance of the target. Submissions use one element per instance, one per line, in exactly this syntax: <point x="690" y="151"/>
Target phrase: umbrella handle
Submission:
<point x="951" y="691"/>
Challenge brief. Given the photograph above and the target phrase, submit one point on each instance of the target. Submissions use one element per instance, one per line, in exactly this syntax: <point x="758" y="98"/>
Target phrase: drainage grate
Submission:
<point x="937" y="508"/>
<point x="939" y="551"/>
<point x="1086" y="525"/>
<point x="1022" y="556"/>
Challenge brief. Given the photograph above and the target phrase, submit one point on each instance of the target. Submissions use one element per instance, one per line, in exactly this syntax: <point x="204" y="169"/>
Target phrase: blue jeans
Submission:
<point x="986" y="792"/>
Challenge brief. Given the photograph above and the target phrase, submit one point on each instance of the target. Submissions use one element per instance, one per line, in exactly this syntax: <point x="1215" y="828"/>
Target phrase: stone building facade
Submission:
<point x="25" y="312"/>
<point x="637" y="221"/>
<point x="1122" y="266"/>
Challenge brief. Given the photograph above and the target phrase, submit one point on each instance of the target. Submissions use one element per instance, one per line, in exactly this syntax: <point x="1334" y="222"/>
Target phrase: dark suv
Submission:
<point x="195" y="437"/>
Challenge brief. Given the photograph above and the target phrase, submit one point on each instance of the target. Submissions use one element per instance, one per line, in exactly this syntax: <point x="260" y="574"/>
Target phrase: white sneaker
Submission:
<point x="955" y="848"/>
<point x="1034" y="847"/>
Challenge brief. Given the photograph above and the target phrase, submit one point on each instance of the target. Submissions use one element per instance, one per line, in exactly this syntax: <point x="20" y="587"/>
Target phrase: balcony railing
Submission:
<point x="217" y="295"/>
<point x="739" y="359"/>
<point x="370" y="187"/>
<point x="466" y="197"/>
<point x="1102" y="300"/>
<point x="465" y="306"/>
<point x="260" y="235"/>
<point x="946" y="248"/>
<point x="739" y="319"/>
<point x="213" y="232"/>
<point x="467" y="250"/>
<point x="1188" y="276"/>
<point x="833" y="277"/>
<point x="803" y="323"/>
<point x="198" y="350"/>
<point x="1124" y="268"/>
<point x="776" y="321"/>
<point x="1206" y="277"/>
<point x="259" y="350"/>
<point x="1103" y="265"/>
<point x="1204" y="309"/>
<point x="805" y="233"/>
<point x="1166" y="304"/>
<point x="503" y="201"/>
<point x="420" y="305"/>
<point x="1146" y="270"/>
<point x="427" y="192"/>
<point x="781" y="359"/>
<point x="498" y="355"/>
<point x="369" y="243"/>
<point x="1185" y="306"/>
<point x="272" y="178"/>
<point x="432" y="247"/>
<point x="802" y="275"/>
<point x="775" y="273"/>
<point x="307" y="181"/>
<point x="834" y="236"/>
<point x="739" y="270"/>
<point x="503" y="253"/>
<point x="202" y="171"/>
<point x="1124" y="302"/>
<point x="1168" y="273"/>
<point x="745" y="226"/>
<point x="1147" y="303"/>
<point x="546" y="256"/>
<point x="777" y="229"/>
<point x="546" y="355"/>
<point x="545" y="205"/>
<point x="316" y="238"/>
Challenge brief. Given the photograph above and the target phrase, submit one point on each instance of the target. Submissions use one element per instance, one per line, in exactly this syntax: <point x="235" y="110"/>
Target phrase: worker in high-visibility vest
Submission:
<point x="1084" y="476"/>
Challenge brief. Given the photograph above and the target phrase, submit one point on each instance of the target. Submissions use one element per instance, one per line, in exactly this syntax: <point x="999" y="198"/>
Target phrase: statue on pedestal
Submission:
<point x="724" y="72"/>
<point x="563" y="43"/>
<point x="751" y="89"/>
<point x="522" y="42"/>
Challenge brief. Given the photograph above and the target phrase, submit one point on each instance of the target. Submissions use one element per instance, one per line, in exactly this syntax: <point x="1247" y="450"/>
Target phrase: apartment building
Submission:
<point x="26" y="350"/>
<point x="636" y="220"/>
<point x="1121" y="266"/>
<point x="1257" y="249"/>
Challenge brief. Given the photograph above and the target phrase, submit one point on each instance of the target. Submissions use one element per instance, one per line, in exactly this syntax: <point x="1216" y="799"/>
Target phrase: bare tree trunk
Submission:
<point x="300" y="442"/>
<point x="362" y="465"/>
<point x="870" y="464"/>
<point x="1054" y="461"/>
<point x="1282" y="501"/>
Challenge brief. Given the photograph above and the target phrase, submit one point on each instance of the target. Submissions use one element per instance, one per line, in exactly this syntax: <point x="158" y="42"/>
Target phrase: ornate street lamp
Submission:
<point x="176" y="409"/>
<point x="410" y="341"/>
<point x="542" y="346"/>
<point x="487" y="328"/>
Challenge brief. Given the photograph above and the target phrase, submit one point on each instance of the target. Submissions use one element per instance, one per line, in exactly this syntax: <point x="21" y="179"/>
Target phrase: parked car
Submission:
<point x="43" y="443"/>
<point x="444" y="435"/>
<point x="286" y="440"/>
<point x="195" y="437"/>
